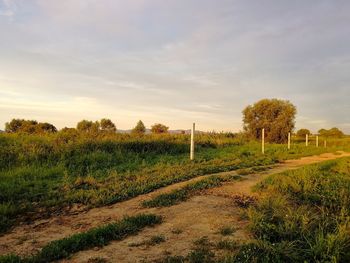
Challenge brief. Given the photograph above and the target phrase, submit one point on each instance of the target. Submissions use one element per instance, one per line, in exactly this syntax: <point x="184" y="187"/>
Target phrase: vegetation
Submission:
<point x="107" y="126"/>
<point x="140" y="128"/>
<point x="29" y="126"/>
<point x="305" y="216"/>
<point x="96" y="237"/>
<point x="95" y="127"/>
<point x="303" y="132"/>
<point x="47" y="172"/>
<point x="302" y="216"/>
<point x="334" y="132"/>
<point x="227" y="230"/>
<point x="277" y="117"/>
<point x="159" y="128"/>
<point x="179" y="195"/>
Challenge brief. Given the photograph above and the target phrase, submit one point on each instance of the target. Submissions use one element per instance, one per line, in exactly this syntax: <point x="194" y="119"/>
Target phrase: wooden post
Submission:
<point x="316" y="140"/>
<point x="307" y="140"/>
<point x="263" y="141"/>
<point x="192" y="141"/>
<point x="325" y="144"/>
<point x="288" y="140"/>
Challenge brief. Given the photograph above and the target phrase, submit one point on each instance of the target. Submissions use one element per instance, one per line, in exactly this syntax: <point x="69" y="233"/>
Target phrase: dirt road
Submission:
<point x="201" y="215"/>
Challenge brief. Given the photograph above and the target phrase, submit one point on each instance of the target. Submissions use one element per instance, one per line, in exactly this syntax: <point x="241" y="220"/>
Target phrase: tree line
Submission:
<point x="84" y="126"/>
<point x="276" y="116"/>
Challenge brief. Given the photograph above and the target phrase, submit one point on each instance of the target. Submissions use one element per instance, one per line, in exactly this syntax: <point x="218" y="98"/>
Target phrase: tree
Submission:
<point x="88" y="126"/>
<point x="334" y="132"/>
<point x="29" y="126"/>
<point x="44" y="127"/>
<point x="276" y="116"/>
<point x="67" y="135"/>
<point x="322" y="132"/>
<point x="139" y="128"/>
<point x="20" y="125"/>
<point x="159" y="128"/>
<point x="303" y="132"/>
<point x="107" y="125"/>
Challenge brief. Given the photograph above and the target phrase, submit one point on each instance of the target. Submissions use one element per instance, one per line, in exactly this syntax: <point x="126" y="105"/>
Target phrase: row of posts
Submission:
<point x="289" y="141"/>
<point x="262" y="141"/>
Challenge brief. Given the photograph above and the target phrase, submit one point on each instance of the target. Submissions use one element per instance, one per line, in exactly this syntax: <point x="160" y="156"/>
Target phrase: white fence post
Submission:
<point x="316" y="140"/>
<point x="263" y="141"/>
<point x="288" y="140"/>
<point x="325" y="144"/>
<point x="307" y="140"/>
<point x="192" y="142"/>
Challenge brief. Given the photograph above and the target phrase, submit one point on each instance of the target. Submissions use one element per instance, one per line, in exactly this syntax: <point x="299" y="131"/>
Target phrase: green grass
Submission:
<point x="227" y="230"/>
<point x="48" y="173"/>
<point x="304" y="216"/>
<point x="96" y="237"/>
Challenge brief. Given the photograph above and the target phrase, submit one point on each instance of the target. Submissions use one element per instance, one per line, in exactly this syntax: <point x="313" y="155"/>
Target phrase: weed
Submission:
<point x="243" y="200"/>
<point x="226" y="244"/>
<point x="227" y="230"/>
<point x="155" y="240"/>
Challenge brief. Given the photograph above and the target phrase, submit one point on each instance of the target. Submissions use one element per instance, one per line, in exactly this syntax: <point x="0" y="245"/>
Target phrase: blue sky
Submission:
<point x="173" y="61"/>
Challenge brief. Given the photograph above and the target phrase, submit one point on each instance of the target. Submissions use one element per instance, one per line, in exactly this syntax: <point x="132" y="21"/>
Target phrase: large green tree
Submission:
<point x="276" y="116"/>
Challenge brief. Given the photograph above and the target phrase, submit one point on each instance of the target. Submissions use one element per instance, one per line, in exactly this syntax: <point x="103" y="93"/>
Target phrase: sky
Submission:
<point x="174" y="61"/>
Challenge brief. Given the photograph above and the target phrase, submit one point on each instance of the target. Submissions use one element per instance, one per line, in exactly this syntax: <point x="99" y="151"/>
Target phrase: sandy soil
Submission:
<point x="201" y="215"/>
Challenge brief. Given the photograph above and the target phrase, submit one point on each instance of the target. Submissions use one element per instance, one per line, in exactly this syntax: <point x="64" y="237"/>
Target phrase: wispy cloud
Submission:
<point x="173" y="61"/>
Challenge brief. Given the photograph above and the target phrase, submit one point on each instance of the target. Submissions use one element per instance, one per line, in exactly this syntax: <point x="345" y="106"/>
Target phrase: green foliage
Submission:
<point x="304" y="217"/>
<point x="334" y="132"/>
<point x="29" y="126"/>
<point x="227" y="230"/>
<point x="88" y="126"/>
<point x="96" y="237"/>
<point x="303" y="132"/>
<point x="277" y="117"/>
<point x="48" y="172"/>
<point x="107" y="126"/>
<point x="159" y="128"/>
<point x="227" y="244"/>
<point x="139" y="128"/>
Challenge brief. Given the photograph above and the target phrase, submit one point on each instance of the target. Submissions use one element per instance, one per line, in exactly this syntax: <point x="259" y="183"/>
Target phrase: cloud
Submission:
<point x="174" y="61"/>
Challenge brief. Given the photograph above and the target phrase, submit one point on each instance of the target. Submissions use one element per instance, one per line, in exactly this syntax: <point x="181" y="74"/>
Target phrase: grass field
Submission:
<point x="47" y="173"/>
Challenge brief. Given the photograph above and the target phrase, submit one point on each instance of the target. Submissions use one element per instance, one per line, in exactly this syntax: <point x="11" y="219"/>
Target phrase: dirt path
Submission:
<point x="202" y="215"/>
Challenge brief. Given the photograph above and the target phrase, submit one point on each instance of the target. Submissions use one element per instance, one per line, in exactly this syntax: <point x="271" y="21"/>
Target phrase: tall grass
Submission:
<point x="304" y="216"/>
<point x="45" y="173"/>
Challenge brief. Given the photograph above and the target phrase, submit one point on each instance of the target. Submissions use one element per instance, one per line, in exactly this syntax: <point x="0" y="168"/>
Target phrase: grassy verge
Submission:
<point x="182" y="194"/>
<point x="100" y="236"/>
<point x="304" y="217"/>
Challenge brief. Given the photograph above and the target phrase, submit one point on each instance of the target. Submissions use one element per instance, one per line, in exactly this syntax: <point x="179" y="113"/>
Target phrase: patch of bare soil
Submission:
<point x="201" y="215"/>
